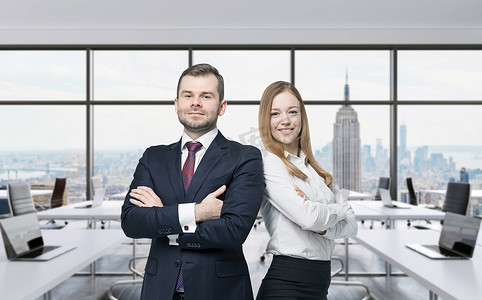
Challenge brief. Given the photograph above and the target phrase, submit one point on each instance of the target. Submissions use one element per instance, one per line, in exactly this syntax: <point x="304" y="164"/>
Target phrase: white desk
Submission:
<point x="29" y="280"/>
<point x="474" y="194"/>
<point x="3" y="193"/>
<point x="374" y="210"/>
<point x="352" y="195"/>
<point x="109" y="210"/>
<point x="450" y="279"/>
<point x="118" y="196"/>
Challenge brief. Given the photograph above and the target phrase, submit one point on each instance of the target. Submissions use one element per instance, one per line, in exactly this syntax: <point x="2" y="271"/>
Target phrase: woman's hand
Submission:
<point x="303" y="195"/>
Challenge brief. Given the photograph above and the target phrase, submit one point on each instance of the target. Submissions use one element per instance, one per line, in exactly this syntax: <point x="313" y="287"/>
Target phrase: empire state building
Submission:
<point x="346" y="147"/>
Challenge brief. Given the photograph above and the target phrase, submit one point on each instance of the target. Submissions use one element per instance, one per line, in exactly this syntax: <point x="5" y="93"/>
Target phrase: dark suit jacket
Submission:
<point x="212" y="259"/>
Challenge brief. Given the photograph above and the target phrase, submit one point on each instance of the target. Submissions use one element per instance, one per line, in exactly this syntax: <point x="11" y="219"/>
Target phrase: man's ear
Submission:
<point x="222" y="107"/>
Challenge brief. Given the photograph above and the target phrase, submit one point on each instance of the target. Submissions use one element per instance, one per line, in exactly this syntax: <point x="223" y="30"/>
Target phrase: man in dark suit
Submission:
<point x="197" y="200"/>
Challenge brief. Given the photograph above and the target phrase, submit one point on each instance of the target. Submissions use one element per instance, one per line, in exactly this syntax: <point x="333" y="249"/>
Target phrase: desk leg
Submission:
<point x="346" y="259"/>
<point x="92" y="270"/>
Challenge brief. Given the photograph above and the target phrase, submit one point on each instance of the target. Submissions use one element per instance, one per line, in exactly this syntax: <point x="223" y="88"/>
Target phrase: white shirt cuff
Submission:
<point x="187" y="218"/>
<point x="173" y="239"/>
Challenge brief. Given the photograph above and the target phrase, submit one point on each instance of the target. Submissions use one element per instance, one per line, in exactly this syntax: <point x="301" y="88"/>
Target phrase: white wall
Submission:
<point x="187" y="22"/>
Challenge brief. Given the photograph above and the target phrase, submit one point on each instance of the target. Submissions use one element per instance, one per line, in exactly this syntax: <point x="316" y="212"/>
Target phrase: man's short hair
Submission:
<point x="200" y="70"/>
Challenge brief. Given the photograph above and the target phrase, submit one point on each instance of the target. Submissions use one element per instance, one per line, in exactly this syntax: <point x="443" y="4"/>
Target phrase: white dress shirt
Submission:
<point x="187" y="218"/>
<point x="291" y="220"/>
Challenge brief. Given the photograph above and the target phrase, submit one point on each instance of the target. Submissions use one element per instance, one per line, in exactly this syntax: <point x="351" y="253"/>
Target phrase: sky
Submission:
<point x="153" y="75"/>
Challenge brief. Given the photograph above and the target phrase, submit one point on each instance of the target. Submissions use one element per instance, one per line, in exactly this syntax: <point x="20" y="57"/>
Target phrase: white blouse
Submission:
<point x="290" y="220"/>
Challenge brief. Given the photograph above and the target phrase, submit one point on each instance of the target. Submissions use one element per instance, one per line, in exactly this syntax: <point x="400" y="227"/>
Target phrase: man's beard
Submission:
<point x="198" y="126"/>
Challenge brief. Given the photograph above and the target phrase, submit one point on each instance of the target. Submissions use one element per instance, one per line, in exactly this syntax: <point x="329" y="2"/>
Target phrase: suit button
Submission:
<point x="177" y="263"/>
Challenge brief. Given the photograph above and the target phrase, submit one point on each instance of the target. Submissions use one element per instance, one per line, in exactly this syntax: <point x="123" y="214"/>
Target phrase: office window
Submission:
<point x="122" y="133"/>
<point x="41" y="143"/>
<point x="321" y="75"/>
<point x="439" y="144"/>
<point x="352" y="143"/>
<point x="137" y="75"/>
<point x="42" y="75"/>
<point x="240" y="123"/>
<point x="439" y="75"/>
<point x="247" y="73"/>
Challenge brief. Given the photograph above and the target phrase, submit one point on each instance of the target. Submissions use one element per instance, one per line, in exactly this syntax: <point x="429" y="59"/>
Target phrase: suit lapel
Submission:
<point x="173" y="169"/>
<point x="216" y="151"/>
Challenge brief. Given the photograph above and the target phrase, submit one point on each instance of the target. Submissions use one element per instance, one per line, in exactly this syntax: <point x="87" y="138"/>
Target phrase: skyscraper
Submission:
<point x="347" y="146"/>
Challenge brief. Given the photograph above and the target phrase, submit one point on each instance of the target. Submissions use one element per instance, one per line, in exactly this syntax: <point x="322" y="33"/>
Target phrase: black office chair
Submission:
<point x="457" y="198"/>
<point x="57" y="198"/>
<point x="412" y="197"/>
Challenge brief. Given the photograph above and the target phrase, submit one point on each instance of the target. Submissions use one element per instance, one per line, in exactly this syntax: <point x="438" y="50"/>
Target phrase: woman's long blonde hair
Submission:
<point x="275" y="147"/>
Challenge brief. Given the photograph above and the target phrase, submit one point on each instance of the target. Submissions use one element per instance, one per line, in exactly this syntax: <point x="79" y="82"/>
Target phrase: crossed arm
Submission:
<point x="208" y="209"/>
<point x="219" y="224"/>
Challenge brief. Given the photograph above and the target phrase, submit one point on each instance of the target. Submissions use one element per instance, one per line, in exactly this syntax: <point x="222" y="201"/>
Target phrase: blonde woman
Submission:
<point x="303" y="211"/>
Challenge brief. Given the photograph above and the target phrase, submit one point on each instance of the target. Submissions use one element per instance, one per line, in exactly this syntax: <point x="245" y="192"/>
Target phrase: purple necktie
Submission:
<point x="188" y="169"/>
<point x="187" y="173"/>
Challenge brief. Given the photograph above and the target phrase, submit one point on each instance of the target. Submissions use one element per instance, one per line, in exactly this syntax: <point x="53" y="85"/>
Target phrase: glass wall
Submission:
<point x="40" y="143"/>
<point x="137" y="75"/>
<point x="42" y="75"/>
<point x="132" y="93"/>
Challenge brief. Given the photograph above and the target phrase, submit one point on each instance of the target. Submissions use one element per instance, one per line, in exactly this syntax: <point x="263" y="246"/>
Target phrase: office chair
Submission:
<point x="20" y="199"/>
<point x="128" y="289"/>
<point x="57" y="197"/>
<point x="412" y="197"/>
<point x="56" y="200"/>
<point x="96" y="183"/>
<point x="457" y="198"/>
<point x="383" y="183"/>
<point x="21" y="202"/>
<point x="347" y="290"/>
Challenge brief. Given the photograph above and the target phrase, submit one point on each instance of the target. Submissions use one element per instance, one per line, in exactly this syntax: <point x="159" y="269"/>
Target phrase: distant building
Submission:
<point x="420" y="159"/>
<point x="464" y="175"/>
<point x="347" y="146"/>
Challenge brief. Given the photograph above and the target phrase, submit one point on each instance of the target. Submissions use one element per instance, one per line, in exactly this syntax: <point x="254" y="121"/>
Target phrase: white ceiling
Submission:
<point x="240" y="22"/>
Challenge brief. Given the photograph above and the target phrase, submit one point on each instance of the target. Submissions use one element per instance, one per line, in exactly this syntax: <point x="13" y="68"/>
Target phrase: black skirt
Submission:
<point x="296" y="278"/>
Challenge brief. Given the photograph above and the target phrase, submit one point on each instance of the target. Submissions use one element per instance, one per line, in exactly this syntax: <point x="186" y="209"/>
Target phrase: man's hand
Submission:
<point x="210" y="207"/>
<point x="145" y="197"/>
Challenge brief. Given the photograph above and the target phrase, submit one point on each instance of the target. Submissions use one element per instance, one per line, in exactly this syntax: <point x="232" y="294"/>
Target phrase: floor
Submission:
<point x="398" y="287"/>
